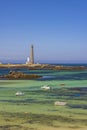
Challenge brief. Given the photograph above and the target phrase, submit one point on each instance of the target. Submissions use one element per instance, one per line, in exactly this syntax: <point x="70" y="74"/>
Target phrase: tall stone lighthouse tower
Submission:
<point x="31" y="55"/>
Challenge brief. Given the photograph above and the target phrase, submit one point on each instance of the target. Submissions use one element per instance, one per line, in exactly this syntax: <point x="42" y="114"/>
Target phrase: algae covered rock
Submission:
<point x="20" y="75"/>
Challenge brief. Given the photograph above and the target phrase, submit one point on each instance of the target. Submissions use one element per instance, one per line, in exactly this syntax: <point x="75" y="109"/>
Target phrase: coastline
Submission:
<point x="43" y="66"/>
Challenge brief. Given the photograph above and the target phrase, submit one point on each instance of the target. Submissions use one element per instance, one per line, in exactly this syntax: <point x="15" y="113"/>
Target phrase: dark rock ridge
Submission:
<point x="19" y="75"/>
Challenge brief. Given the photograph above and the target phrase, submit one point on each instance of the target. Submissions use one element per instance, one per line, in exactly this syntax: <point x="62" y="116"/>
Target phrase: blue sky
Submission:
<point x="56" y="28"/>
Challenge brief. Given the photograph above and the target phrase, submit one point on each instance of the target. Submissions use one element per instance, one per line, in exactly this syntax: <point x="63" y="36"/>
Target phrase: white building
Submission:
<point x="28" y="60"/>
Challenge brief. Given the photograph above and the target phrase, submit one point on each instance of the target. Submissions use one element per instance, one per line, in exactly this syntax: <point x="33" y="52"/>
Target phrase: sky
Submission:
<point x="56" y="28"/>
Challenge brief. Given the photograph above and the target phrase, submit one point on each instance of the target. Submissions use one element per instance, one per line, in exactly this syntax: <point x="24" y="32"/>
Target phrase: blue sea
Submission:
<point x="52" y="74"/>
<point x="69" y="64"/>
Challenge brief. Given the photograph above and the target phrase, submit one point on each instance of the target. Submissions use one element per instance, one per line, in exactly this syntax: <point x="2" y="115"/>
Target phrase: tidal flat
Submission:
<point x="35" y="110"/>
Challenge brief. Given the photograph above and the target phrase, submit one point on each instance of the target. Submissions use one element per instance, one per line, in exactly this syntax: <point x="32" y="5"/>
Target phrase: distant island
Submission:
<point x="43" y="66"/>
<point x="30" y="64"/>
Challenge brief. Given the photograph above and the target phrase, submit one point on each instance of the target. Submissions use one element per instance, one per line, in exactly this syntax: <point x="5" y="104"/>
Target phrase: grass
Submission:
<point x="35" y="110"/>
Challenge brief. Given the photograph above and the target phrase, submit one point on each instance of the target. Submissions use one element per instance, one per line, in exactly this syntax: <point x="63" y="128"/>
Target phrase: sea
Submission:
<point x="49" y="75"/>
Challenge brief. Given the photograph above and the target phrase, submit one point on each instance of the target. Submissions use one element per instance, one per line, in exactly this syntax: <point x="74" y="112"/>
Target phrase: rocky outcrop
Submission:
<point x="19" y="75"/>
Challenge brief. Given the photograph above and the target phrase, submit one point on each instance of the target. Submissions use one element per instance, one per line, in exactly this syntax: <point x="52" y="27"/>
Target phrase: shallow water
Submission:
<point x="67" y="86"/>
<point x="51" y="74"/>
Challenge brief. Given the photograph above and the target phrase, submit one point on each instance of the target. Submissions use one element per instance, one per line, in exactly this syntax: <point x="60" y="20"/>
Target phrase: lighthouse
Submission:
<point x="31" y="55"/>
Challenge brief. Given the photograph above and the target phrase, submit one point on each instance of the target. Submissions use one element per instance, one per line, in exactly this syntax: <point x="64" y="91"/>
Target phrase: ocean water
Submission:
<point x="70" y="64"/>
<point x="48" y="75"/>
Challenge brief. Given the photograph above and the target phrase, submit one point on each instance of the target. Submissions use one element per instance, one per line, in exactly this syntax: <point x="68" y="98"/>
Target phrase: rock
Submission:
<point x="46" y="87"/>
<point x="58" y="103"/>
<point x="19" y="93"/>
<point x="19" y="75"/>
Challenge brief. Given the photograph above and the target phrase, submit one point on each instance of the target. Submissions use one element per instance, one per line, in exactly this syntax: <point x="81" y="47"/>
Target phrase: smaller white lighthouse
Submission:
<point x="28" y="60"/>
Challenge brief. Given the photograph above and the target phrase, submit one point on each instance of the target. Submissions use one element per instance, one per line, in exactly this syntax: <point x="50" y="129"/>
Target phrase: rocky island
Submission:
<point x="19" y="75"/>
<point x="43" y="67"/>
